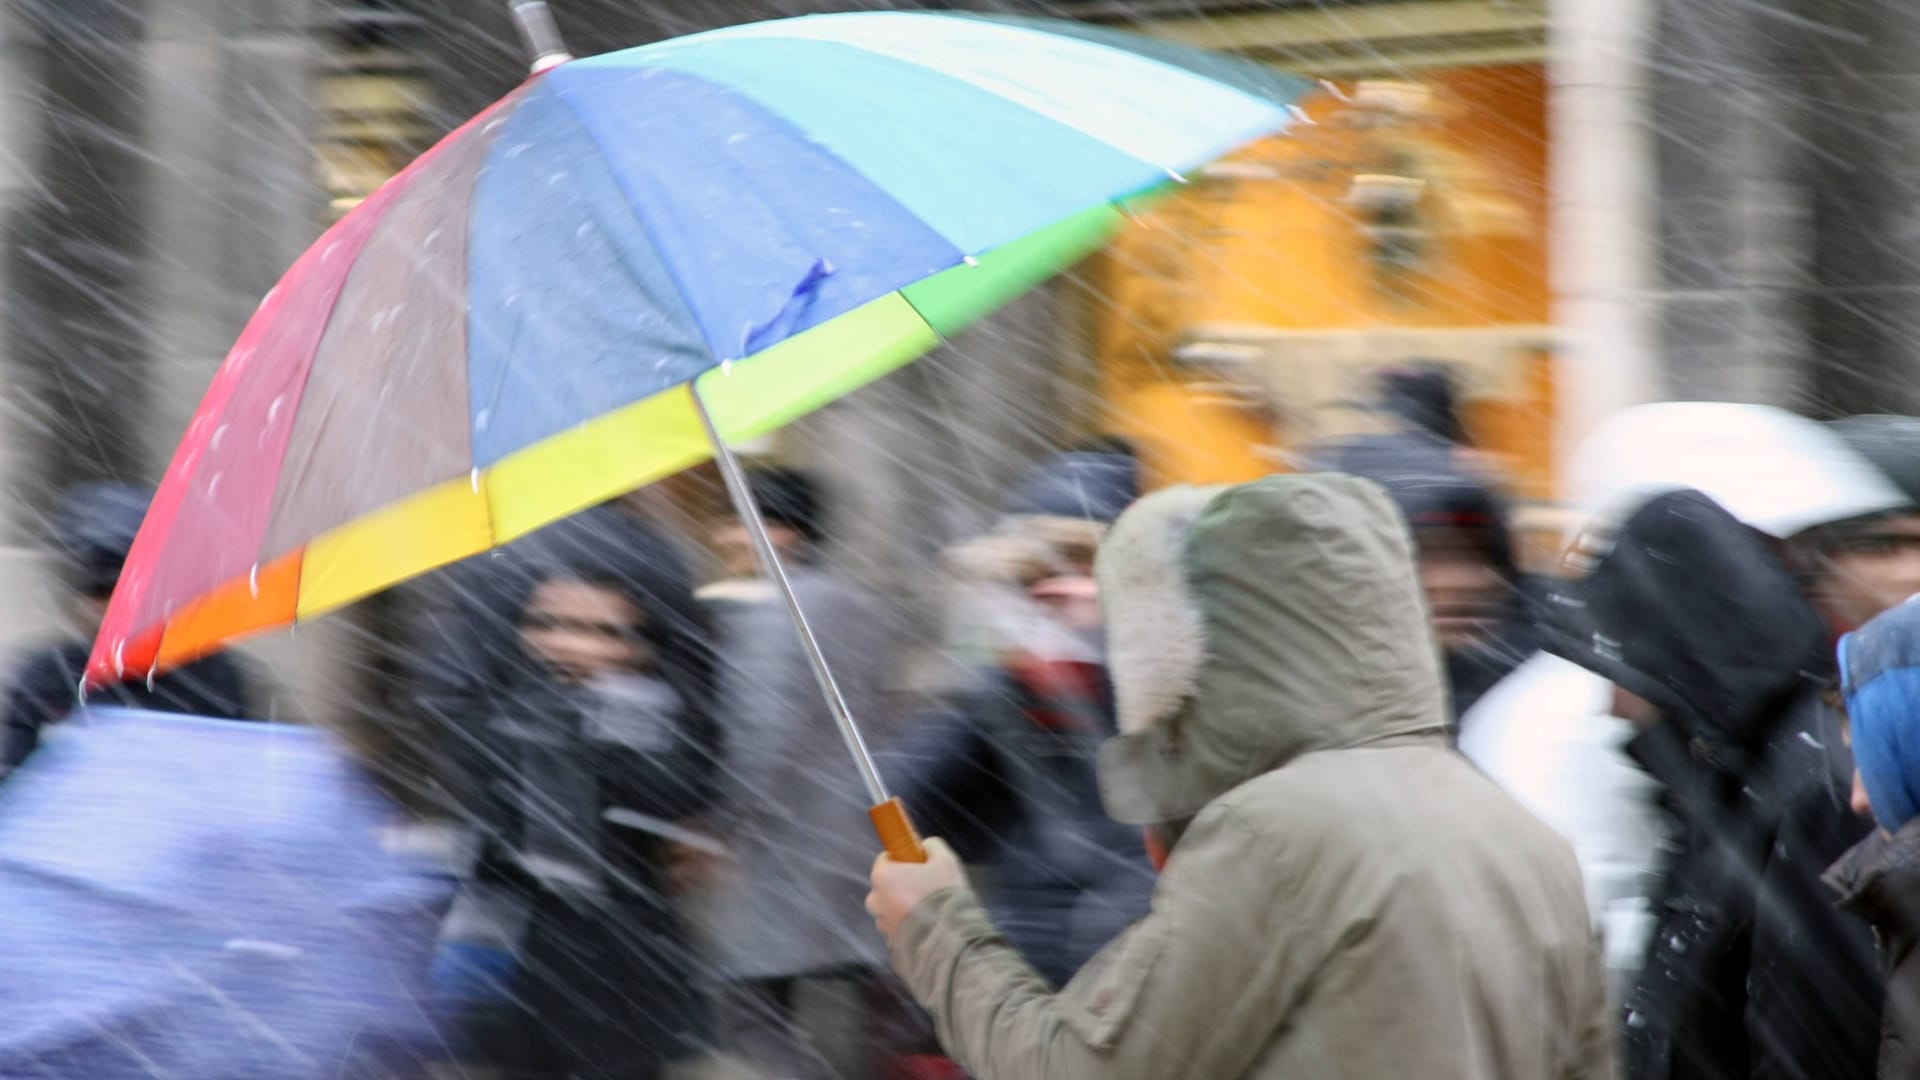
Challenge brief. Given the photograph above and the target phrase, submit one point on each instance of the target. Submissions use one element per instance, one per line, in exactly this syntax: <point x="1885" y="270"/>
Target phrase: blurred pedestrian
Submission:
<point x="1716" y="656"/>
<point x="461" y="630"/>
<point x="1005" y="769"/>
<point x="801" y="968"/>
<point x="564" y="954"/>
<point x="1483" y="610"/>
<point x="1343" y="894"/>
<point x="93" y="529"/>
<point x="1879" y="879"/>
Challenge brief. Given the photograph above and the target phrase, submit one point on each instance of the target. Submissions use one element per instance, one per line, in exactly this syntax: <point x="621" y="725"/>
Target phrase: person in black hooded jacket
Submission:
<point x="94" y="526"/>
<point x="1719" y="660"/>
<point x="576" y="747"/>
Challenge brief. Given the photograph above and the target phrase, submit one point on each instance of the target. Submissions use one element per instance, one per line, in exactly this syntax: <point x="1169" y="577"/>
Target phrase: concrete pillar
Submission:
<point x="164" y="184"/>
<point x="77" y="333"/>
<point x="1860" y="115"/>
<point x="1733" y="200"/>
<point x="32" y="605"/>
<point x="1603" y="235"/>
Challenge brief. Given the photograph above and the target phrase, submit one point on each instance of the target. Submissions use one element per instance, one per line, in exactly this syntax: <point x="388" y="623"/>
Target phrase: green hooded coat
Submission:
<point x="1348" y="897"/>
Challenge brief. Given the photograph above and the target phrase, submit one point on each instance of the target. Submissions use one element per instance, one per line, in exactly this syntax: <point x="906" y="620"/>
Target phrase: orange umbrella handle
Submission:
<point x="897" y="835"/>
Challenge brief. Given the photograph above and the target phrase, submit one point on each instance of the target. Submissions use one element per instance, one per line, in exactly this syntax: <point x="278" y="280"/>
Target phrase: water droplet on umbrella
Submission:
<point x="273" y="410"/>
<point x="970" y="260"/>
<point x="1300" y="114"/>
<point x="120" y="658"/>
<point x="327" y="252"/>
<point x="1177" y="175"/>
<point x="736" y="137"/>
<point x="474" y="478"/>
<point x="726" y="367"/>
<point x="556" y="178"/>
<point x="151" y="673"/>
<point x="481" y="419"/>
<point x="517" y="149"/>
<point x="585" y="228"/>
<point x="253" y="581"/>
<point x="213" y="484"/>
<point x="219" y="436"/>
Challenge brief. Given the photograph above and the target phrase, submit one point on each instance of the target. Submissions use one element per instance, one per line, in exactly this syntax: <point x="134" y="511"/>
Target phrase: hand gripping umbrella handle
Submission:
<point x="889" y="814"/>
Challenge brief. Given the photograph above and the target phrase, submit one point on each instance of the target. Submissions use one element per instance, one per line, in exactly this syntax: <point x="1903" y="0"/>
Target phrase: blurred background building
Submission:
<point x="1575" y="204"/>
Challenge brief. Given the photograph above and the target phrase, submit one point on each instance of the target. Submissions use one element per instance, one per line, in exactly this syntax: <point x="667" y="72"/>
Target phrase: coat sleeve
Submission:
<point x="1593" y="1022"/>
<point x="949" y="774"/>
<point x="1196" y="989"/>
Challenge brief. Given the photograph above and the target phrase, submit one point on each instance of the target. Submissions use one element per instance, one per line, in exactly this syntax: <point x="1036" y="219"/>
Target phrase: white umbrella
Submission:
<point x="1775" y="471"/>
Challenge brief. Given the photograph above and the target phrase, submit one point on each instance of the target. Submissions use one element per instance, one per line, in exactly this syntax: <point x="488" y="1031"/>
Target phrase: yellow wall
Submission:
<point x="1289" y="253"/>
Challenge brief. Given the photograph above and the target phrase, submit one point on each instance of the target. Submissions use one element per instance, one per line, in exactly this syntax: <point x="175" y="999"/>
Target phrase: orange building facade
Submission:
<point x="1244" y="317"/>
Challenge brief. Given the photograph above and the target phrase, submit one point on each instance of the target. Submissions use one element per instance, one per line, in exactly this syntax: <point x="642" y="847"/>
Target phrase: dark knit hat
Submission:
<point x="1093" y="486"/>
<point x="94" y="526"/>
<point x="1421" y="396"/>
<point x="788" y="498"/>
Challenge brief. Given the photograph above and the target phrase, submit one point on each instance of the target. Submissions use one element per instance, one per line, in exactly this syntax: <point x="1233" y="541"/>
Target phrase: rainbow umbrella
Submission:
<point x="539" y="312"/>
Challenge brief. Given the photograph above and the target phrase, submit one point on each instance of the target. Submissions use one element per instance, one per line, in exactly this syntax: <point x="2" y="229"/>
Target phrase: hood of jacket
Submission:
<point x="645" y="567"/>
<point x="1689" y="609"/>
<point x="1250" y="625"/>
<point x="469" y="636"/>
<point x="1880" y="676"/>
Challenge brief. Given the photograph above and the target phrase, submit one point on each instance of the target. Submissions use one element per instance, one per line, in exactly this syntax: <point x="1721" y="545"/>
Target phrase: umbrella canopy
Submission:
<point x="210" y="899"/>
<point x="511" y="330"/>
<point x="1775" y="471"/>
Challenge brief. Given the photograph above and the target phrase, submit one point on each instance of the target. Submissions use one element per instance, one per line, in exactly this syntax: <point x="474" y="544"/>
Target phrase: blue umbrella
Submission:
<point x="207" y="899"/>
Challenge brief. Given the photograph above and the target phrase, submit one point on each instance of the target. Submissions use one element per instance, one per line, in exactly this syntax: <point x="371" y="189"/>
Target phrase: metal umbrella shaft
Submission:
<point x="889" y="816"/>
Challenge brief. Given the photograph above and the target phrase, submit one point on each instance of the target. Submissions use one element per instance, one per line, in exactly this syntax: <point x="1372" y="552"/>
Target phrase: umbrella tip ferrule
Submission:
<point x="541" y="34"/>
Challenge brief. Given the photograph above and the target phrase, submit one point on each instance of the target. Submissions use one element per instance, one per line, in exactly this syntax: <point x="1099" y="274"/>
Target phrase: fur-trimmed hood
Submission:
<point x="1250" y="625"/>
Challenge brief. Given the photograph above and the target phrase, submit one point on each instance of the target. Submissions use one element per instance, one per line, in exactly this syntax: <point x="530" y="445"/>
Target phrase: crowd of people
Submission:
<point x="1311" y="776"/>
